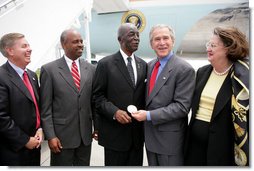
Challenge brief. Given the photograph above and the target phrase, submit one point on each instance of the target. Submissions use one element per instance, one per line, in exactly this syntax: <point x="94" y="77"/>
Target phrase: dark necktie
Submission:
<point x="30" y="88"/>
<point x="153" y="76"/>
<point x="75" y="74"/>
<point x="130" y="69"/>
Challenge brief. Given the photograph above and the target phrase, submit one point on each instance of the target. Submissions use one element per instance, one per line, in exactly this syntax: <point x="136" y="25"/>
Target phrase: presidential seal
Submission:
<point x="135" y="17"/>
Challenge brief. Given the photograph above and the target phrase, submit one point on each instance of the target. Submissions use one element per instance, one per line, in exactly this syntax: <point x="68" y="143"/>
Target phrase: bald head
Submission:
<point x="65" y="33"/>
<point x="124" y="28"/>
<point x="128" y="38"/>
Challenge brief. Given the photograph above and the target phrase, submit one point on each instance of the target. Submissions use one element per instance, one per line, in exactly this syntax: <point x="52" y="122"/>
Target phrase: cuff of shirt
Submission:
<point x="148" y="116"/>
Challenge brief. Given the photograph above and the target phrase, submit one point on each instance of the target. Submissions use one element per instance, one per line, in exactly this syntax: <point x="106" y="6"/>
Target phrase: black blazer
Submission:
<point x="114" y="90"/>
<point x="220" y="149"/>
<point x="17" y="117"/>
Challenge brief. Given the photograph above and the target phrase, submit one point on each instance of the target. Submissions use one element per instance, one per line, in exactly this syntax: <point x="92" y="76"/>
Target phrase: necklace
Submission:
<point x="222" y="73"/>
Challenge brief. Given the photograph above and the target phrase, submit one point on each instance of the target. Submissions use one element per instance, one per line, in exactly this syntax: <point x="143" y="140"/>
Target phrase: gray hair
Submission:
<point x="171" y="31"/>
<point x="8" y="40"/>
<point x="122" y="29"/>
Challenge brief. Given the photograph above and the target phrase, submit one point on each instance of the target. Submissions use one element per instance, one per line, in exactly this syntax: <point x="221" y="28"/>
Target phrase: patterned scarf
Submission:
<point x="240" y="111"/>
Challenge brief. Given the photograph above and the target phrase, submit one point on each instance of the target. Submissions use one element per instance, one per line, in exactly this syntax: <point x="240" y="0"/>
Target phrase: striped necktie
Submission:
<point x="75" y="74"/>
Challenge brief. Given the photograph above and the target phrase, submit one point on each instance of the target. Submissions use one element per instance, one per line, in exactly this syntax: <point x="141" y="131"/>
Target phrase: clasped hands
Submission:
<point x="36" y="140"/>
<point x="123" y="117"/>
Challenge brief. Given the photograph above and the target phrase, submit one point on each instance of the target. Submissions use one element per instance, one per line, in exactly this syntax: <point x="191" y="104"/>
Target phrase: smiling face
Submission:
<point x="128" y="38"/>
<point x="73" y="44"/>
<point x="161" y="41"/>
<point x="19" y="53"/>
<point x="216" y="51"/>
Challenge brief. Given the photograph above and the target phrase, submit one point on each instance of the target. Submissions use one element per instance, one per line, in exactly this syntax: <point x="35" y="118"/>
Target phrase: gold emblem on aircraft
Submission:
<point x="136" y="17"/>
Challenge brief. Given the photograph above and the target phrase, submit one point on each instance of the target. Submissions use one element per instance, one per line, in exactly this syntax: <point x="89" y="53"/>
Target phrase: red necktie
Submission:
<point x="75" y="74"/>
<point x="153" y="76"/>
<point x="30" y="88"/>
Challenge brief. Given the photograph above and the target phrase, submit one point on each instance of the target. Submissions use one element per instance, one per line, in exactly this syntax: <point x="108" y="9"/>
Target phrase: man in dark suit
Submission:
<point x="20" y="131"/>
<point x="170" y="87"/>
<point x="66" y="104"/>
<point x="119" y="82"/>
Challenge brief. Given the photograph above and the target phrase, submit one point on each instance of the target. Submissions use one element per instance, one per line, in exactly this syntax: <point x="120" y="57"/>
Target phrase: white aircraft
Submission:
<point x="193" y="22"/>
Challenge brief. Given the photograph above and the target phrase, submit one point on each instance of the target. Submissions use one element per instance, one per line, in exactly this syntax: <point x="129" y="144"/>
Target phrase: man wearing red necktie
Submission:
<point x="66" y="106"/>
<point x="170" y="87"/>
<point x="20" y="131"/>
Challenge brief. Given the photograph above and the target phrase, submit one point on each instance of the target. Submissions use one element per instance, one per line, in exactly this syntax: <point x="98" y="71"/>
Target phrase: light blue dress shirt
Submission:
<point x="17" y="69"/>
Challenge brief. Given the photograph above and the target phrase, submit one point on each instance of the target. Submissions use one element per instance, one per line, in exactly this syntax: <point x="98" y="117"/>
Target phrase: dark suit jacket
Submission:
<point x="114" y="90"/>
<point x="17" y="117"/>
<point x="221" y="136"/>
<point x="67" y="113"/>
<point x="169" y="104"/>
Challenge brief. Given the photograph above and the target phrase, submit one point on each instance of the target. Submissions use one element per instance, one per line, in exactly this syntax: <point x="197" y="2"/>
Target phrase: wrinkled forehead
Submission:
<point x="126" y="28"/>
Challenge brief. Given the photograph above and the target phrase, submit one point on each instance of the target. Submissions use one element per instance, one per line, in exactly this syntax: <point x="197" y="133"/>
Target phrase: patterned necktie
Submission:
<point x="130" y="69"/>
<point x="153" y="76"/>
<point x="75" y="74"/>
<point x="30" y="88"/>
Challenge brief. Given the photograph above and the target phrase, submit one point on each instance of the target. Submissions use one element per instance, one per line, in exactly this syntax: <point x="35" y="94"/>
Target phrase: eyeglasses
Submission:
<point x="210" y="45"/>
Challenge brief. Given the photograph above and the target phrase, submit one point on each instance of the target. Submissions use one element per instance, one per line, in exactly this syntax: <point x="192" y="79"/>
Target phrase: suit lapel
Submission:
<point x="84" y="72"/>
<point x="149" y="73"/>
<point x="17" y="81"/>
<point x="66" y="74"/>
<point x="119" y="62"/>
<point x="224" y="95"/>
<point x="140" y="68"/>
<point x="200" y="84"/>
<point x="222" y="98"/>
<point x="33" y="83"/>
<point x="162" y="78"/>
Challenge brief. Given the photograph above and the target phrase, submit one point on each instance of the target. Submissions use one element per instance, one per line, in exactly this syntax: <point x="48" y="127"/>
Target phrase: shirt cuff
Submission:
<point x="148" y="116"/>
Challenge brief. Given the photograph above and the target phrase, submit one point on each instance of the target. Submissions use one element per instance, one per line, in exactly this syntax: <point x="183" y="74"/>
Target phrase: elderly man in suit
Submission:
<point x="170" y="88"/>
<point x="119" y="82"/>
<point x="66" y="104"/>
<point x="20" y="131"/>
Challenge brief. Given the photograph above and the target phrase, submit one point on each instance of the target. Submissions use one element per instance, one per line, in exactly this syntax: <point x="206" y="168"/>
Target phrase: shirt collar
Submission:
<point x="126" y="56"/>
<point x="69" y="61"/>
<point x="19" y="70"/>
<point x="164" y="60"/>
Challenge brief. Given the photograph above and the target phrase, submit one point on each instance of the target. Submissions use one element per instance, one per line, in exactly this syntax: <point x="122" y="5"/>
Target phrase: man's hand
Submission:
<point x="122" y="117"/>
<point x="32" y="143"/>
<point x="55" y="145"/>
<point x="139" y="115"/>
<point x="39" y="136"/>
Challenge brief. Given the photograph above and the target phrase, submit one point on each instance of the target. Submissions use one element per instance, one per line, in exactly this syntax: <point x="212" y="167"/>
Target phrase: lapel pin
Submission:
<point x="33" y="78"/>
<point x="164" y="78"/>
<point x="145" y="81"/>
